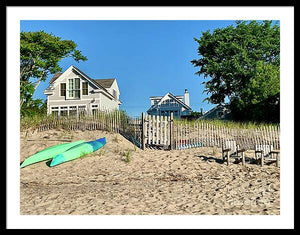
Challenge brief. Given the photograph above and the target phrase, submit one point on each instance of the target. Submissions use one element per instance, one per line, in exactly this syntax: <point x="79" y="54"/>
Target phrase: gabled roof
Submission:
<point x="173" y="97"/>
<point x="160" y="97"/>
<point x="104" y="83"/>
<point x="179" y="101"/>
<point x="88" y="78"/>
<point x="219" y="106"/>
<point x="55" y="76"/>
<point x="107" y="82"/>
<point x="94" y="82"/>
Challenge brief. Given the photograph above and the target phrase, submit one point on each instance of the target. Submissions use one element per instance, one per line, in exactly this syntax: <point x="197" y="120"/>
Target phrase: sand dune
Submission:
<point x="150" y="182"/>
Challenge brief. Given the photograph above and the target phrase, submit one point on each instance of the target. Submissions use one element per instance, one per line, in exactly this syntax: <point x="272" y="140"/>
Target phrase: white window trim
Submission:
<point x="61" y="108"/>
<point x="60" y="90"/>
<point x="96" y="106"/>
<point x="82" y="88"/>
<point x="68" y="97"/>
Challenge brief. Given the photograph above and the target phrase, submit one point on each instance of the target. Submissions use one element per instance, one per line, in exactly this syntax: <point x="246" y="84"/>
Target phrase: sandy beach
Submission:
<point x="150" y="182"/>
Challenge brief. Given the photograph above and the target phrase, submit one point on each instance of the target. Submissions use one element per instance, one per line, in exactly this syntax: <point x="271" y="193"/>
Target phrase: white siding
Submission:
<point x="108" y="104"/>
<point x="115" y="87"/>
<point x="103" y="101"/>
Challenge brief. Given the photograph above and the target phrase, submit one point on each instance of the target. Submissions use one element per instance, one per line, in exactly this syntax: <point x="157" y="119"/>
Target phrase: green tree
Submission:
<point x="34" y="108"/>
<point x="242" y="64"/>
<point x="40" y="54"/>
<point x="195" y="114"/>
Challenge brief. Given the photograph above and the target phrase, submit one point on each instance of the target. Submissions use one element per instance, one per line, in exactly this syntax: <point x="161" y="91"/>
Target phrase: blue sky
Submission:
<point x="147" y="57"/>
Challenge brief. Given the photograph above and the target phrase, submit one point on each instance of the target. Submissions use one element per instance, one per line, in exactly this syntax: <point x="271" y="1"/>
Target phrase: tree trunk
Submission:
<point x="40" y="79"/>
<point x="38" y="82"/>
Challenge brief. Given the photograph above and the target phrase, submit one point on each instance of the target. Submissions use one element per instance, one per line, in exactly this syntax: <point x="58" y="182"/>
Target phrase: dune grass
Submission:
<point x="34" y="122"/>
<point x="226" y="123"/>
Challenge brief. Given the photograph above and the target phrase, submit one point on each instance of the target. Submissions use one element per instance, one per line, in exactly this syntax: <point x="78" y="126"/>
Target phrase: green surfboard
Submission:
<point x="78" y="151"/>
<point x="49" y="153"/>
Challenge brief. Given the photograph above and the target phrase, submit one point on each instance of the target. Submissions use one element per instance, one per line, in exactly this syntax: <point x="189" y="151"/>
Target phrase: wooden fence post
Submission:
<point x="143" y="131"/>
<point x="171" y="131"/>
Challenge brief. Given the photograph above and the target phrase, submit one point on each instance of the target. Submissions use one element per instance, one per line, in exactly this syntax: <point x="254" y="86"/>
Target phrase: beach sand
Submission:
<point x="152" y="182"/>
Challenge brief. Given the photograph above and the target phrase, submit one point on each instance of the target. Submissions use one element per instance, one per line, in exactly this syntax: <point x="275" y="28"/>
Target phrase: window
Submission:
<point x="77" y="88"/>
<point x="115" y="93"/>
<point x="74" y="88"/>
<point x="94" y="108"/>
<point x="84" y="88"/>
<point x="81" y="109"/>
<point x="164" y="113"/>
<point x="72" y="110"/>
<point x="54" y="111"/>
<point x="71" y="87"/>
<point x="63" y="89"/>
<point x="64" y="111"/>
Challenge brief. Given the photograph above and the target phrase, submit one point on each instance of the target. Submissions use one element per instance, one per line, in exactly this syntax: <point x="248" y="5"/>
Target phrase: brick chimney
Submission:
<point x="186" y="97"/>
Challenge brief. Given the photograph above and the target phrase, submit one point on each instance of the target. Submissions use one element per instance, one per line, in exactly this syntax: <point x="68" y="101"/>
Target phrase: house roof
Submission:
<point x="172" y="96"/>
<point x="55" y="76"/>
<point x="179" y="101"/>
<point x="107" y="82"/>
<point x="93" y="81"/>
<point x="160" y="97"/>
<point x="219" y="106"/>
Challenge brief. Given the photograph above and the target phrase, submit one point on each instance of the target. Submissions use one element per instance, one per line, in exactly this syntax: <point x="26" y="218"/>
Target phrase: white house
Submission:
<point x="179" y="105"/>
<point x="73" y="91"/>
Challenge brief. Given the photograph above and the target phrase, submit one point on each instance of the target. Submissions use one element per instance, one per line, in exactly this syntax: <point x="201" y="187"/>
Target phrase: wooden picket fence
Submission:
<point x="114" y="121"/>
<point x="163" y="133"/>
<point x="202" y="134"/>
<point x="111" y="121"/>
<point x="156" y="131"/>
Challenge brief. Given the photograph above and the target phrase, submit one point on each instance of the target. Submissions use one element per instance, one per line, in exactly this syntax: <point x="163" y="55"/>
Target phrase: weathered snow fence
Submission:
<point x="163" y="132"/>
<point x="201" y="134"/>
<point x="112" y="121"/>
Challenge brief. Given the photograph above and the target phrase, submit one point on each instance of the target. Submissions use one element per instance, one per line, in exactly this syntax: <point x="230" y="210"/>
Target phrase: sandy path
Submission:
<point x="155" y="182"/>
